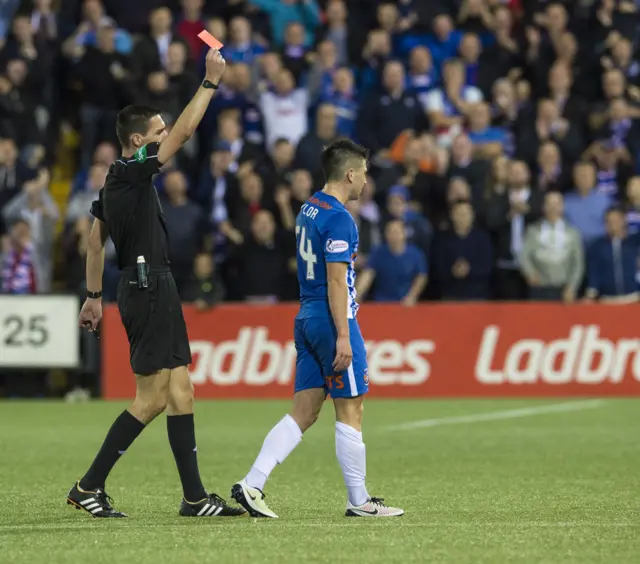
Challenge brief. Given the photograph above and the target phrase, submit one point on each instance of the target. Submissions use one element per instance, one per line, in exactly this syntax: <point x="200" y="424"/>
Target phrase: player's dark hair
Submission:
<point x="339" y="155"/>
<point x="133" y="119"/>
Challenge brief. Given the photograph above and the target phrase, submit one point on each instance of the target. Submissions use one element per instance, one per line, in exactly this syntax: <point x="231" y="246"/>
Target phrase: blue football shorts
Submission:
<point x="315" y="340"/>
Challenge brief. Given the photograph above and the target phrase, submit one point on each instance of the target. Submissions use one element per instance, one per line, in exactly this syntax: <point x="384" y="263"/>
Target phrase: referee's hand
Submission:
<point x="90" y="314"/>
<point x="215" y="65"/>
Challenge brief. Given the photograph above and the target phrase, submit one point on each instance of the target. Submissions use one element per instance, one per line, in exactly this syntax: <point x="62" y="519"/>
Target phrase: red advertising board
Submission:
<point x="440" y="350"/>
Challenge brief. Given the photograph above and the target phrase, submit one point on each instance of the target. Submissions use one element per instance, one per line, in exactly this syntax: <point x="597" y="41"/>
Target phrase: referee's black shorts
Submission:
<point x="153" y="320"/>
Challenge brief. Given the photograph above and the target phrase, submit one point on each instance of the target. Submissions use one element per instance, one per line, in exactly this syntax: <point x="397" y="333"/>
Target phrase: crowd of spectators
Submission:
<point x="504" y="139"/>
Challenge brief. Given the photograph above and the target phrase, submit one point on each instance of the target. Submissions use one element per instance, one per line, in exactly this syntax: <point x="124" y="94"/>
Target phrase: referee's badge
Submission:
<point x="141" y="154"/>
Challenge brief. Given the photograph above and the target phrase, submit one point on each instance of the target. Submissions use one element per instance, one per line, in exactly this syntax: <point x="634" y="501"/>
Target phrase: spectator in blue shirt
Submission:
<point x="7" y="9"/>
<point x="612" y="263"/>
<point x="488" y="141"/>
<point x="470" y="50"/>
<point x="86" y="33"/>
<point x="633" y="205"/>
<point x="443" y="43"/>
<point x="463" y="258"/>
<point x="319" y="79"/>
<point x="445" y="40"/>
<point x="283" y="12"/>
<point x="398" y="269"/>
<point x="585" y="208"/>
<point x="376" y="53"/>
<point x="388" y="19"/>
<point x="421" y="76"/>
<point x="342" y="96"/>
<point x="240" y="48"/>
<point x="418" y="230"/>
<point x="234" y="93"/>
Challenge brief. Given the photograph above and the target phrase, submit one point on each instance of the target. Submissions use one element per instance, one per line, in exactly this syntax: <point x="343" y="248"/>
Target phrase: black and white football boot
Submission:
<point x="97" y="502"/>
<point x="211" y="506"/>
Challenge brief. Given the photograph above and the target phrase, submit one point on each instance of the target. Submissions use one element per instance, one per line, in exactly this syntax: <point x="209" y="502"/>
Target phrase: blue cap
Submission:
<point x="399" y="190"/>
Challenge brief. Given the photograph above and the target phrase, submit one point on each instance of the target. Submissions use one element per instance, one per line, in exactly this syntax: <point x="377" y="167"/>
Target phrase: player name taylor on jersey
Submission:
<point x="325" y="232"/>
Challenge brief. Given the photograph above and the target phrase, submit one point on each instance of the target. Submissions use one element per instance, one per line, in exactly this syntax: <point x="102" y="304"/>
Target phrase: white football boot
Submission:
<point x="373" y="508"/>
<point x="252" y="499"/>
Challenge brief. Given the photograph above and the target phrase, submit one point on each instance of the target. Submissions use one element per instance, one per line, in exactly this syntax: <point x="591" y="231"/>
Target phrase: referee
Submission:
<point x="129" y="211"/>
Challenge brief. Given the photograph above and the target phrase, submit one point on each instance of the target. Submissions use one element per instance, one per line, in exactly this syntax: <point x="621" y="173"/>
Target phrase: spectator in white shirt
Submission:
<point x="285" y="110"/>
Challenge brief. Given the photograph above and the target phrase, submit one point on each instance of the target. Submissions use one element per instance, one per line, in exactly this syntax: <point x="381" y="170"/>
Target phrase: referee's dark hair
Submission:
<point x="133" y="119"/>
<point x="340" y="155"/>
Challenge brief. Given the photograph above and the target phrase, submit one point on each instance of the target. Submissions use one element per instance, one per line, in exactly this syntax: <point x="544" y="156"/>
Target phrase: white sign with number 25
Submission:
<point x="39" y="332"/>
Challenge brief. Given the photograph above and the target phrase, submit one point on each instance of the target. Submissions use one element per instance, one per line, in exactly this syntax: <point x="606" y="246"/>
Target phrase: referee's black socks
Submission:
<point x="182" y="438"/>
<point x="123" y="432"/>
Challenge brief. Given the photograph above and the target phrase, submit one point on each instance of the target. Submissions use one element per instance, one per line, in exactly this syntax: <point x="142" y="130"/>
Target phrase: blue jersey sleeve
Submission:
<point x="338" y="238"/>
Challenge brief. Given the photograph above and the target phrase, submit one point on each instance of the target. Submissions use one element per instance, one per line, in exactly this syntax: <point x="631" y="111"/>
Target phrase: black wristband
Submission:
<point x="94" y="295"/>
<point x="208" y="84"/>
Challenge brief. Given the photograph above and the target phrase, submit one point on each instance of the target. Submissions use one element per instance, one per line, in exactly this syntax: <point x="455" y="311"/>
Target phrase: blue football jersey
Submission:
<point x="325" y="232"/>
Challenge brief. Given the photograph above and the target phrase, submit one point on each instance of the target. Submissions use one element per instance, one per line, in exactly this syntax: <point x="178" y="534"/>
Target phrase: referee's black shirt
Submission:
<point x="129" y="206"/>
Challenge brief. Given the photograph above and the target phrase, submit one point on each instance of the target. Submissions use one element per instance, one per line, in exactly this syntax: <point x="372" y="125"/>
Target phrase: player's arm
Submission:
<point x="192" y="115"/>
<point x="337" y="252"/>
<point x="338" y="295"/>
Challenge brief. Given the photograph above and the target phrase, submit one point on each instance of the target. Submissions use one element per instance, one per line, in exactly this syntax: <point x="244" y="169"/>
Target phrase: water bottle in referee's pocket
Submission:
<point x="143" y="272"/>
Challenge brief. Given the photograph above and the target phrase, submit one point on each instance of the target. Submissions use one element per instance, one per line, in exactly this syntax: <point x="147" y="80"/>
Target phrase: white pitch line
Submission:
<point x="498" y="415"/>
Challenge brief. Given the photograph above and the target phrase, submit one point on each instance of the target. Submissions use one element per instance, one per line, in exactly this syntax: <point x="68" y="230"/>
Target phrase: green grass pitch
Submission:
<point x="546" y="487"/>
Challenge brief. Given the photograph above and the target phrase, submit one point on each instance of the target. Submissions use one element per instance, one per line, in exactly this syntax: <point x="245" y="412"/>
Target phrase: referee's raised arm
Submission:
<point x="192" y="115"/>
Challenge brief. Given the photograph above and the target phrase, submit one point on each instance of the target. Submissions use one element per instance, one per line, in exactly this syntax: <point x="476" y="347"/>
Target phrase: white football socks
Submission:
<point x="277" y="445"/>
<point x="352" y="457"/>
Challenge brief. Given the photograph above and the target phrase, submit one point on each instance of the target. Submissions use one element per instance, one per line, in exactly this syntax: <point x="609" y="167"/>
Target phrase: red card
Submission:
<point x="209" y="39"/>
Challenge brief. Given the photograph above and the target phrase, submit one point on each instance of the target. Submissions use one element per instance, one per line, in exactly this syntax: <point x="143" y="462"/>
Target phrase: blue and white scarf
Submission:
<point x="619" y="131"/>
<point x="18" y="272"/>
